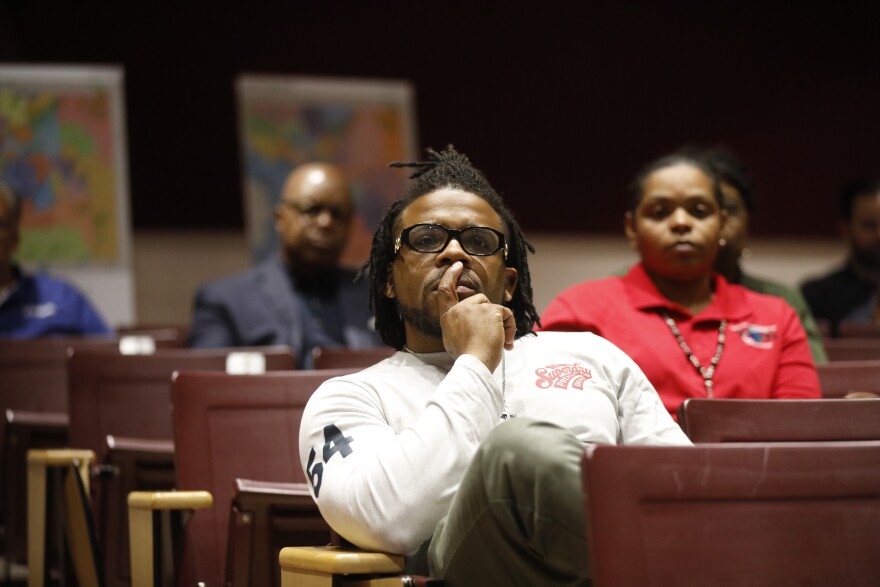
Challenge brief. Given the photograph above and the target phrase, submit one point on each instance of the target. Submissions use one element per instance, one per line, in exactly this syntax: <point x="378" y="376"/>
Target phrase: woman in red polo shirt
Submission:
<point x="692" y="333"/>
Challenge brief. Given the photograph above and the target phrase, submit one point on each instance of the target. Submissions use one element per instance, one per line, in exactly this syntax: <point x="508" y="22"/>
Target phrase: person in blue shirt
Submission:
<point x="36" y="305"/>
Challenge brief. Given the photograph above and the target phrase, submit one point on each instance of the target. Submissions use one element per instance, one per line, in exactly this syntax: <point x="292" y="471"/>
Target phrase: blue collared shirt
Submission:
<point x="41" y="305"/>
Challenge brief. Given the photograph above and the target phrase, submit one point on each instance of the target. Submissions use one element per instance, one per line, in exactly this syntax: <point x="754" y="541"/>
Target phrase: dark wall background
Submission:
<point x="559" y="104"/>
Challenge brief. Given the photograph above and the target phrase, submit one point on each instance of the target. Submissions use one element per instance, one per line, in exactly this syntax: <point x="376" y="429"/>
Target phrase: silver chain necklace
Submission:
<point x="706" y="372"/>
<point x="505" y="414"/>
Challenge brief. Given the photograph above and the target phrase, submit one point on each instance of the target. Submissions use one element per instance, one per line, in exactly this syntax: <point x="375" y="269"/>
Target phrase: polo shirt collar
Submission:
<point x="729" y="302"/>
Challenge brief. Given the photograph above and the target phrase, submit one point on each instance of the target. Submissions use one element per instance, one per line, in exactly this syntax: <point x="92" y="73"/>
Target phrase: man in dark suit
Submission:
<point x="302" y="298"/>
<point x="851" y="293"/>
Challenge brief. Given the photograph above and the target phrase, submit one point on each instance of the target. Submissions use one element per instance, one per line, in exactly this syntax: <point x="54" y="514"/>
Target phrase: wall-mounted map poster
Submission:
<point x="62" y="148"/>
<point x="359" y="125"/>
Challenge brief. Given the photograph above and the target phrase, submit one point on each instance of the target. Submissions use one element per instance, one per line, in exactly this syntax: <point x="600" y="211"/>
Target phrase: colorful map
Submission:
<point x="59" y="151"/>
<point x="359" y="126"/>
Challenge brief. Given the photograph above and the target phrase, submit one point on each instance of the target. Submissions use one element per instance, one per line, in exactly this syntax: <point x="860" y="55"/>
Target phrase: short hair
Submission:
<point x="12" y="199"/>
<point x="446" y="169"/>
<point x="729" y="169"/>
<point x="637" y="186"/>
<point x="866" y="186"/>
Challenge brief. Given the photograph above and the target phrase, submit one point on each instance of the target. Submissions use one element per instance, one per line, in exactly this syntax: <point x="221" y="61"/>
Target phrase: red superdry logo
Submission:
<point x="562" y="376"/>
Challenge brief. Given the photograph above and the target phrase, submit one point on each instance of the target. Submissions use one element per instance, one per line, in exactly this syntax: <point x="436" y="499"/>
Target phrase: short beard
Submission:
<point x="866" y="258"/>
<point x="420" y="320"/>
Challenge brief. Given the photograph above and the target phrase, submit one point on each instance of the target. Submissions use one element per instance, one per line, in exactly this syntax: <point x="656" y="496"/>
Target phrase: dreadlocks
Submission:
<point x="447" y="169"/>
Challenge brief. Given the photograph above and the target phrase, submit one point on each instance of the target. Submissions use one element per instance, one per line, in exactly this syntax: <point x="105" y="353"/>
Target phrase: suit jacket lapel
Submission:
<point x="356" y="318"/>
<point x="285" y="308"/>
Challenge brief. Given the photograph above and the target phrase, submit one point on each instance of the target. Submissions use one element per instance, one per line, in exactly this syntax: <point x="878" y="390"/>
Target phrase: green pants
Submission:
<point x="518" y="516"/>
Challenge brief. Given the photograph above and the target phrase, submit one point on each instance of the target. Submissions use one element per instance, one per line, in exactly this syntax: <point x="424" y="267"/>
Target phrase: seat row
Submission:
<point x="774" y="492"/>
<point x="84" y="393"/>
<point x="152" y="463"/>
<point x="796" y="478"/>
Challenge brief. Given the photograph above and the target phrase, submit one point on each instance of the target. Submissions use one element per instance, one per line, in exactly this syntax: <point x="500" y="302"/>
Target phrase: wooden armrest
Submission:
<point x="861" y="395"/>
<point x="316" y="565"/>
<point x="169" y="500"/>
<point x="24" y="417"/>
<point x="139" y="444"/>
<point x="271" y="487"/>
<point x="54" y="457"/>
<point x="141" y="507"/>
<point x="41" y="459"/>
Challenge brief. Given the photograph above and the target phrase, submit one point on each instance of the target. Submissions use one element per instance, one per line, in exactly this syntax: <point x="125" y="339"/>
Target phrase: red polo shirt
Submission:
<point x="766" y="354"/>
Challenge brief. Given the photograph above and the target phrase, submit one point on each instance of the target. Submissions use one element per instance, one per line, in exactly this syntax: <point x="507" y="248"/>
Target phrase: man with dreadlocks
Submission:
<point x="462" y="450"/>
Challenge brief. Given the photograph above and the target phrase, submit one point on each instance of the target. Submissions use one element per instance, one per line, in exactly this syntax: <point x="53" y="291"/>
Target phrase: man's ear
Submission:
<point x="278" y="217"/>
<point x="629" y="228"/>
<point x="389" y="285"/>
<point x="511" y="278"/>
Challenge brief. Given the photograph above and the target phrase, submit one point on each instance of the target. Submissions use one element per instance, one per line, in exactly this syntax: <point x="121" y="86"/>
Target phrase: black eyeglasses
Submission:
<point x="314" y="211"/>
<point x="433" y="238"/>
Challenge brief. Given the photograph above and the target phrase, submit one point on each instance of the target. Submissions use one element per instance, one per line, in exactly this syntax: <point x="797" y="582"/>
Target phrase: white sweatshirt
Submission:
<point x="385" y="448"/>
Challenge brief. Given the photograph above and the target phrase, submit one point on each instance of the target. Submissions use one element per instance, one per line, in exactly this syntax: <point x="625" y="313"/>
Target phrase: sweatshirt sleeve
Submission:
<point x="384" y="488"/>
<point x="643" y="418"/>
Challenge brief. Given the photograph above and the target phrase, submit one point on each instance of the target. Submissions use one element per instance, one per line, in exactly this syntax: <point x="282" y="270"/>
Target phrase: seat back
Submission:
<point x="24" y="431"/>
<point x="166" y="336"/>
<point x="264" y="518"/>
<point x="756" y="514"/>
<point x="733" y="420"/>
<point x="349" y="358"/>
<point x="838" y="378"/>
<point x="128" y="398"/>
<point x="33" y="373"/>
<point x="33" y="383"/>
<point x="228" y="427"/>
<point x="130" y="395"/>
<point x="852" y="349"/>
<point x="857" y="330"/>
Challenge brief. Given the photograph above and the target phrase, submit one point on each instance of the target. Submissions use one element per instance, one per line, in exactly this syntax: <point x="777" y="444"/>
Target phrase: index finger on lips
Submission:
<point x="509" y="323"/>
<point x="447" y="296"/>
